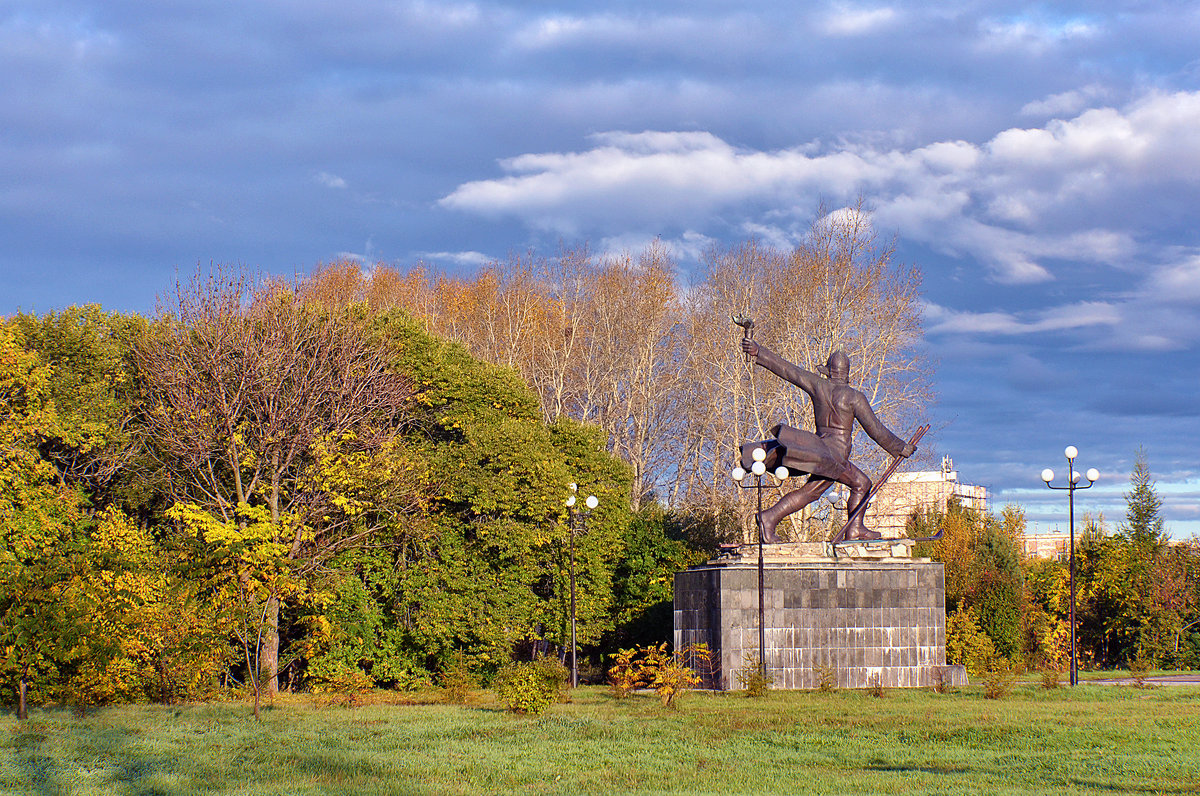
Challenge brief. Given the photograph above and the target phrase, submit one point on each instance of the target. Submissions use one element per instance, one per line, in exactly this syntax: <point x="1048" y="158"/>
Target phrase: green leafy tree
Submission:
<point x="644" y="577"/>
<point x="91" y="381"/>
<point x="489" y="570"/>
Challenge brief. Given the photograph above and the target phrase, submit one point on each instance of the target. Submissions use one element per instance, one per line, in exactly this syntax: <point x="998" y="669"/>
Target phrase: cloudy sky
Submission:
<point x="1040" y="162"/>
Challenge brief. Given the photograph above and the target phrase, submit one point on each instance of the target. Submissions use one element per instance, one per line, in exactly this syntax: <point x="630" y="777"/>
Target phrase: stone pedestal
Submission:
<point x="861" y="618"/>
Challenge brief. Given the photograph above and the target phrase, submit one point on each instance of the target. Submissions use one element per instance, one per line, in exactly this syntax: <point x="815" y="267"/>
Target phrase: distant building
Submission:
<point x="906" y="493"/>
<point x="1046" y="545"/>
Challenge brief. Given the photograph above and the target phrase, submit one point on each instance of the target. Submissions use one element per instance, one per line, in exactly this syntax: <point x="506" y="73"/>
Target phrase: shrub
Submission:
<point x="1051" y="677"/>
<point x="941" y="683"/>
<point x="875" y="687"/>
<point x="530" y="688"/>
<point x="966" y="643"/>
<point x="826" y="679"/>
<point x="457" y="680"/>
<point x="346" y="688"/>
<point x="670" y="678"/>
<point x="1139" y="667"/>
<point x="625" y="675"/>
<point x="670" y="674"/>
<point x="998" y="678"/>
<point x="556" y="673"/>
<point x="754" y="679"/>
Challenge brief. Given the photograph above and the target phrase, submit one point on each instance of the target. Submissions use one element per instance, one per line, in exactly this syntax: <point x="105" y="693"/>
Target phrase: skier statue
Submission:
<point x="825" y="455"/>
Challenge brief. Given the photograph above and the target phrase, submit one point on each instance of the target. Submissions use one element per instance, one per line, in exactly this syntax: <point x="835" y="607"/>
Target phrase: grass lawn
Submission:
<point x="1092" y="739"/>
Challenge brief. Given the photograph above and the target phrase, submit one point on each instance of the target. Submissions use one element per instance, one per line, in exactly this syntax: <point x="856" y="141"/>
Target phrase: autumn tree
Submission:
<point x="1129" y="579"/>
<point x="618" y="341"/>
<point x="91" y="382"/>
<point x="257" y="406"/>
<point x="156" y="630"/>
<point x="982" y="569"/>
<point x="1176" y="595"/>
<point x="42" y="540"/>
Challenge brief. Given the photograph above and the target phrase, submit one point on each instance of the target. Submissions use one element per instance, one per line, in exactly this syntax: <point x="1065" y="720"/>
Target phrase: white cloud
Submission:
<point x="611" y="29"/>
<point x="330" y="180"/>
<point x="1073" y="316"/>
<point x="1015" y="203"/>
<point x="441" y="14"/>
<point x="28" y="40"/>
<point x="353" y="257"/>
<point x="1176" y="283"/>
<point x="1033" y="35"/>
<point x="1067" y="102"/>
<point x="469" y="258"/>
<point x="847" y="20"/>
<point x="557" y="30"/>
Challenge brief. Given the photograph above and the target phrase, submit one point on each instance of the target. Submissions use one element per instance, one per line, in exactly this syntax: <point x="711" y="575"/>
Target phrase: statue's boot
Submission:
<point x="793" y="501"/>
<point x="856" y="530"/>
<point x="766" y="532"/>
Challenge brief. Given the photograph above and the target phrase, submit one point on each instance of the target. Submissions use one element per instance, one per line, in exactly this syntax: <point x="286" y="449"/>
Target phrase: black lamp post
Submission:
<point x="759" y="469"/>
<point x="578" y="525"/>
<point x="1072" y="484"/>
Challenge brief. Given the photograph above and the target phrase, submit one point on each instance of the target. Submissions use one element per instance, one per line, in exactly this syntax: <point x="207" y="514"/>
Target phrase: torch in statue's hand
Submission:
<point x="749" y="347"/>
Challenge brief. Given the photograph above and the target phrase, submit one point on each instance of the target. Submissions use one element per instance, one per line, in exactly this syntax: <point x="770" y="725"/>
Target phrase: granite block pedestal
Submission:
<point x="859" y="620"/>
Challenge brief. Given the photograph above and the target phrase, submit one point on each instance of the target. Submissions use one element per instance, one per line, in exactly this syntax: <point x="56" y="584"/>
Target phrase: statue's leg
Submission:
<point x="860" y="487"/>
<point x="790" y="503"/>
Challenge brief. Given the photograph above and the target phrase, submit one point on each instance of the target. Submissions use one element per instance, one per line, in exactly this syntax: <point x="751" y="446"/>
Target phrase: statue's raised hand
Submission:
<point x="749" y="347"/>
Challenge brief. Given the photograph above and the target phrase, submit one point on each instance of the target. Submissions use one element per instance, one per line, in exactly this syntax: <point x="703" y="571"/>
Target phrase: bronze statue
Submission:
<point x="825" y="455"/>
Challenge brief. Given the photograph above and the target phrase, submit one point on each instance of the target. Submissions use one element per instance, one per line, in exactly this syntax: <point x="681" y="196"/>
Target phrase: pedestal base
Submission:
<point x="856" y="621"/>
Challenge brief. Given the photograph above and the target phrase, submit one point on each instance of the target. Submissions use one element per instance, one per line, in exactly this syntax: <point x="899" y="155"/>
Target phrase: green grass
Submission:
<point x="1092" y="739"/>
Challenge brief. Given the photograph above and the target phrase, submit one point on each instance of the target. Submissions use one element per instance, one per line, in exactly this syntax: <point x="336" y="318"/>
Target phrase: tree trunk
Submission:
<point x="269" y="664"/>
<point x="22" y="691"/>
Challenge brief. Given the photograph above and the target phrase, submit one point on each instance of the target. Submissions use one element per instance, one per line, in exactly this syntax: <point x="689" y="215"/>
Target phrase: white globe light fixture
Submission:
<point x="782" y="473"/>
<point x="738" y="473"/>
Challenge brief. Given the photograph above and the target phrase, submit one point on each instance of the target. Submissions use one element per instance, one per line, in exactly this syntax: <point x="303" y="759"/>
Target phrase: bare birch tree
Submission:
<point x="618" y="342"/>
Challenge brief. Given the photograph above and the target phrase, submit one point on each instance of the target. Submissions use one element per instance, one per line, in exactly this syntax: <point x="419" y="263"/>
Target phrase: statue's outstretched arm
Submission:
<point x="785" y="370"/>
<point x="877" y="431"/>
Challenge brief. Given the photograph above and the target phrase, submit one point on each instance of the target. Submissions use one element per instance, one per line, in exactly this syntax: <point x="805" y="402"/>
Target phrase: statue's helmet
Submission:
<point x="837" y="367"/>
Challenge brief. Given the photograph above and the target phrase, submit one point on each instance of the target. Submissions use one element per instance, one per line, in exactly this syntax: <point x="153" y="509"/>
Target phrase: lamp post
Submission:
<point x="1072" y="484"/>
<point x="578" y="524"/>
<point x="759" y="469"/>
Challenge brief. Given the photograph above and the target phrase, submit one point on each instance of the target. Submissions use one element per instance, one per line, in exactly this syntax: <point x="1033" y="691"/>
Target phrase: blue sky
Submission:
<point x="1040" y="162"/>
